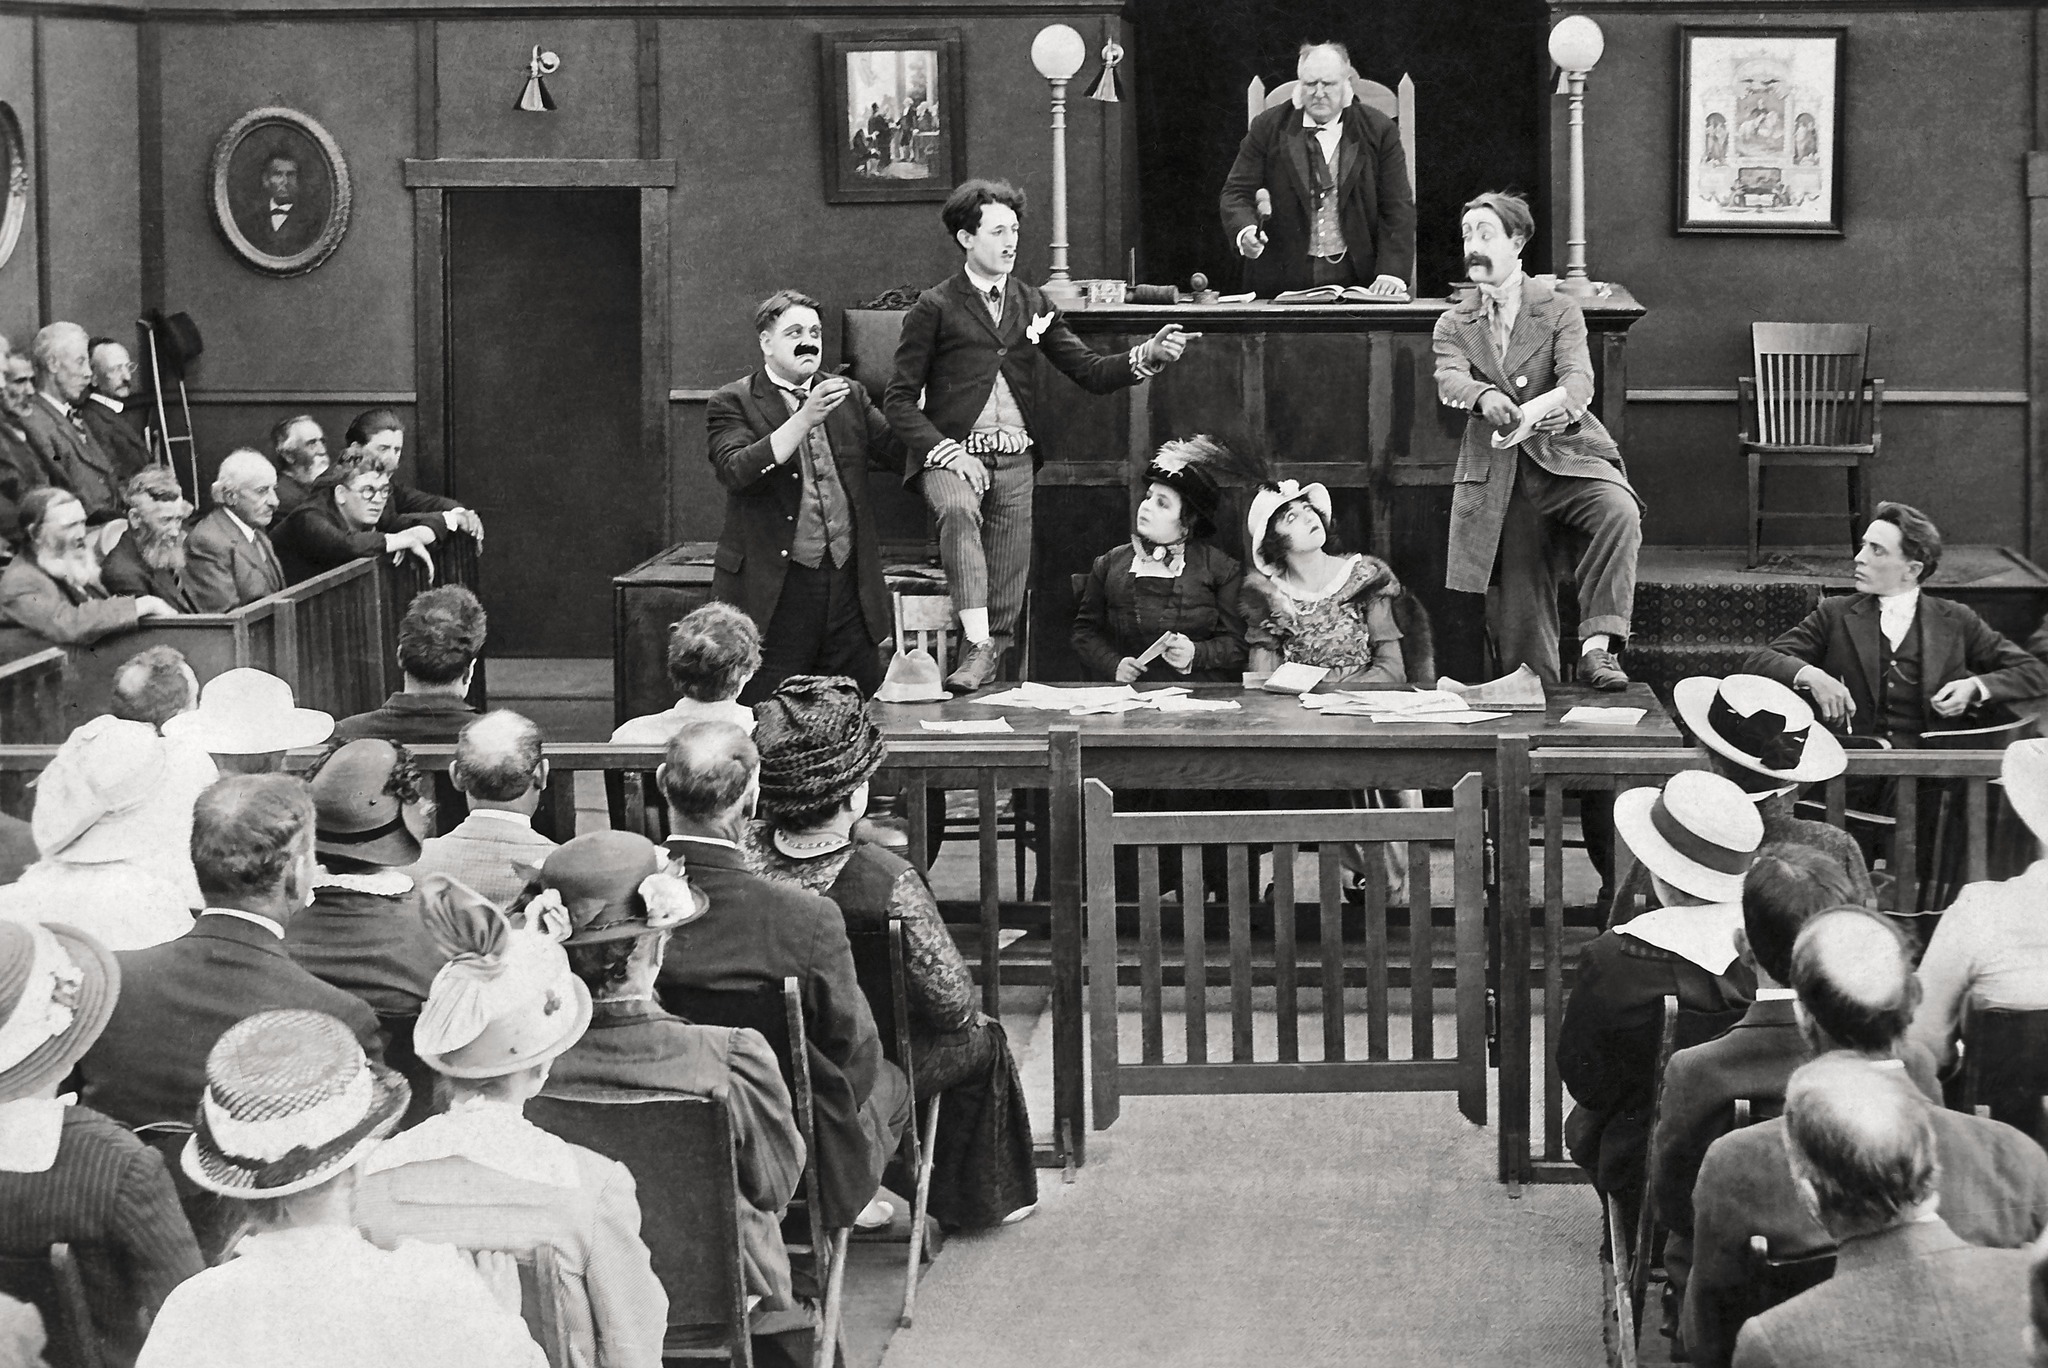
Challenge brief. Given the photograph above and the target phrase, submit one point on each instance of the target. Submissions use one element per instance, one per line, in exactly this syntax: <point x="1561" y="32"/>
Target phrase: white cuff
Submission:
<point x="1243" y="235"/>
<point x="453" y="517"/>
<point x="1140" y="366"/>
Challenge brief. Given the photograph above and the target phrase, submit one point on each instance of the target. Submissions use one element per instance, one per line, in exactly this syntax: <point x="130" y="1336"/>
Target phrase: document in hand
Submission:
<point x="1521" y="691"/>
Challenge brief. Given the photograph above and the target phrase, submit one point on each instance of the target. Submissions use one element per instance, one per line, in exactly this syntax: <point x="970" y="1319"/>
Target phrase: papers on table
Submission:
<point x="968" y="726"/>
<point x="1103" y="700"/>
<point x="1458" y="718"/>
<point x="1521" y="691"/>
<point x="1605" y="717"/>
<point x="1293" y="678"/>
<point x="1397" y="705"/>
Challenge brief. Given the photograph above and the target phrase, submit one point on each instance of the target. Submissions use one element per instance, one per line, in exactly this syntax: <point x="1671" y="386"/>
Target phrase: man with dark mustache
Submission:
<point x="793" y="448"/>
<point x="1516" y="342"/>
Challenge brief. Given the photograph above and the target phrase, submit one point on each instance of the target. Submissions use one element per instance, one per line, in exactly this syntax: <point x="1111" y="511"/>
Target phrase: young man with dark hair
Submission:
<point x="439" y="640"/>
<point x="962" y="402"/>
<point x="793" y="444"/>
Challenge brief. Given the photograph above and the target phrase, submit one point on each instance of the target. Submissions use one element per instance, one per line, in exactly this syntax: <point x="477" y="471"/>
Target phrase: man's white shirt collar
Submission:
<point x="248" y="532"/>
<point x="1775" y="995"/>
<point x="113" y="405"/>
<point x="1326" y="134"/>
<point x="63" y="409"/>
<point x="1895" y="614"/>
<point x="500" y="814"/>
<point x="266" y="923"/>
<point x="986" y="283"/>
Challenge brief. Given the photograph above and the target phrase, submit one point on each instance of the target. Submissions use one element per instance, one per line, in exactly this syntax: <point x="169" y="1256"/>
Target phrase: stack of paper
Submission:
<point x="968" y="726"/>
<point x="1103" y="700"/>
<point x="1521" y="691"/>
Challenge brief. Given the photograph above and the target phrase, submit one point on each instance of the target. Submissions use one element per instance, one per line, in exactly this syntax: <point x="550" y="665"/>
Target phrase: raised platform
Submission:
<point x="1701" y="610"/>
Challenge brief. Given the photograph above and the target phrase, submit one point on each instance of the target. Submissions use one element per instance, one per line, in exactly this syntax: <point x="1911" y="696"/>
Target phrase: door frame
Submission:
<point x="429" y="181"/>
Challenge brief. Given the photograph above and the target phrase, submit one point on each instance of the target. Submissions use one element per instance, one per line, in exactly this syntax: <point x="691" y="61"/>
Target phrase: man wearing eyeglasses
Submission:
<point x="348" y="518"/>
<point x="1341" y="210"/>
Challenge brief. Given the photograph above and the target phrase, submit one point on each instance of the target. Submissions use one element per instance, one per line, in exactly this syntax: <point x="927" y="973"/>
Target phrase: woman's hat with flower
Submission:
<point x="57" y="989"/>
<point x="506" y="1000"/>
<point x="612" y="885"/>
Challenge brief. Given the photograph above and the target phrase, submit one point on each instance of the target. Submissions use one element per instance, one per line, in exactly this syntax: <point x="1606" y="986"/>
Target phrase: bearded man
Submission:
<point x="150" y="559"/>
<point x="22" y="467"/>
<point x="53" y="588"/>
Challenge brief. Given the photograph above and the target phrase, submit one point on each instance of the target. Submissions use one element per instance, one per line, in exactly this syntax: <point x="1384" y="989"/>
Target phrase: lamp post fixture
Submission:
<point x="1575" y="46"/>
<point x="1058" y="53"/>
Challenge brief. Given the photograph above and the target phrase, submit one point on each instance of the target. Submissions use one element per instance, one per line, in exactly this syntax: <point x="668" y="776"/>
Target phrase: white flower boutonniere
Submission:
<point x="1036" y="328"/>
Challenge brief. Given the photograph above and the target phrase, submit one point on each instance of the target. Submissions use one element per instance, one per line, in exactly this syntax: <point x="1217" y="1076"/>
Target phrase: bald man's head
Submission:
<point x="712" y="771"/>
<point x="498" y="758"/>
<point x="1860" y="1143"/>
<point x="1855" y="982"/>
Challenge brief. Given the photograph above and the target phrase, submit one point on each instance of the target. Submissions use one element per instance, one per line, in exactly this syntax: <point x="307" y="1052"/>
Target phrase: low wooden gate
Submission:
<point x="1351" y="951"/>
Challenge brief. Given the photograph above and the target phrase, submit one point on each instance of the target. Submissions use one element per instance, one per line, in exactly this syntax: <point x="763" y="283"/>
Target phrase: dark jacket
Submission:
<point x="407" y="718"/>
<point x="315" y="537"/>
<point x="119" y="436"/>
<point x="762" y="498"/>
<point x="1121" y="615"/>
<point x="1375" y="208"/>
<point x="762" y="931"/>
<point x="110" y="1198"/>
<point x="291" y="492"/>
<point x="1607" y="1046"/>
<point x="369" y="944"/>
<point x="225" y="569"/>
<point x="178" y="998"/>
<point x="22" y="468"/>
<point x="951" y="349"/>
<point x="87" y="470"/>
<point x="124" y="573"/>
<point x="1841" y="637"/>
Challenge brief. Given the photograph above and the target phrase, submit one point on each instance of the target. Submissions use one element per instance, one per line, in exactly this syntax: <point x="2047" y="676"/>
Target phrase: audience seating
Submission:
<point x="50" y="1283"/>
<point x="31" y="711"/>
<point x="1619" y="1321"/>
<point x="1776" y="1278"/>
<point x="399" y="1055"/>
<point x="1809" y="404"/>
<point x="778" y="1014"/>
<point x="540" y="1297"/>
<point x="2005" y="1068"/>
<point x="879" y="967"/>
<point x="680" y="1152"/>
<point x="218" y="1223"/>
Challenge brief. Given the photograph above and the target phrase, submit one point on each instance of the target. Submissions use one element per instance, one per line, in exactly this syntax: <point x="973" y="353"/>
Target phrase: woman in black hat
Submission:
<point x="1167" y="582"/>
<point x="819" y="748"/>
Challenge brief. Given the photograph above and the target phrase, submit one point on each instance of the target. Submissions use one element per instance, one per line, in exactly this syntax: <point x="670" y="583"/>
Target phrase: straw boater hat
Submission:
<point x="506" y="1000"/>
<point x="1698" y="833"/>
<point x="354" y="817"/>
<point x="1270" y="500"/>
<point x="816" y="740"/>
<point x="1760" y="725"/>
<point x="102" y="796"/>
<point x="57" y="989"/>
<point x="2023" y="772"/>
<point x="612" y="885"/>
<point x="248" y="712"/>
<point x="290" y="1102"/>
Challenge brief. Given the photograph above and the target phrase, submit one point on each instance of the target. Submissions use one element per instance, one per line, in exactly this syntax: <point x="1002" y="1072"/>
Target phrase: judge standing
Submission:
<point x="1342" y="210"/>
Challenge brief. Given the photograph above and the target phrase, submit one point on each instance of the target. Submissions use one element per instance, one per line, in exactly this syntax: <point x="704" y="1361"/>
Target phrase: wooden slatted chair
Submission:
<point x="1810" y="404"/>
<point x="881" y="968"/>
<point x="2005" y="1068"/>
<point x="777" y="1012"/>
<point x="1775" y="1278"/>
<point x="540" y="1297"/>
<point x="1618" y="1317"/>
<point x="680" y="1152"/>
<point x="50" y="1283"/>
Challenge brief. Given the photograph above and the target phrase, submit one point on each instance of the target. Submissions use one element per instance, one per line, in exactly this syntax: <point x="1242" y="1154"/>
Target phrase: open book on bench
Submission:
<point x="1338" y="294"/>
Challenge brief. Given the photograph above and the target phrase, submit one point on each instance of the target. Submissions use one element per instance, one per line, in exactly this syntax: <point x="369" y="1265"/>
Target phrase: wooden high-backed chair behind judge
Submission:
<point x="1397" y="104"/>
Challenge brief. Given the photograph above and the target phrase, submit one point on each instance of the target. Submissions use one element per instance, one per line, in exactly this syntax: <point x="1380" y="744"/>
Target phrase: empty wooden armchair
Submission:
<point x="1809" y="404"/>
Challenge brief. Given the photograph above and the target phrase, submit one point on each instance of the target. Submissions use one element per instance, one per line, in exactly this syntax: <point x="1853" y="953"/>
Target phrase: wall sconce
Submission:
<point x="1575" y="45"/>
<point x="1109" y="87"/>
<point x="535" y="98"/>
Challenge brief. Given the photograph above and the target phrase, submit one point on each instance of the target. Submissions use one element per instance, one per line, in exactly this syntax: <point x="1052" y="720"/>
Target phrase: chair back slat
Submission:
<point x="1373" y="883"/>
<point x="1553" y="965"/>
<point x="1330" y="938"/>
<point x="1421" y="954"/>
<point x="1811" y="383"/>
<point x="1775" y="1279"/>
<point x="1287" y="1010"/>
<point x="1238" y="883"/>
<point x="1151" y="956"/>
<point x="926" y="621"/>
<point x="1194" y="931"/>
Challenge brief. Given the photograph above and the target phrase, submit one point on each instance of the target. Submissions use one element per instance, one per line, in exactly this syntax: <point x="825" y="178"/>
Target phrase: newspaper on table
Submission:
<point x="1096" y="700"/>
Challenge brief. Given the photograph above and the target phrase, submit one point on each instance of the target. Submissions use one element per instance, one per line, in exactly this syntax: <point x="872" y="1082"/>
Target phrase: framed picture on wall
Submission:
<point x="1760" y="130"/>
<point x="895" y="126"/>
<point x="280" y="191"/>
<point x="13" y="181"/>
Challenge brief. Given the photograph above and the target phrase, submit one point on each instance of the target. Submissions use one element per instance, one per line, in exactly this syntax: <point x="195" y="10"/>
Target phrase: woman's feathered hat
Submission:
<point x="1197" y="468"/>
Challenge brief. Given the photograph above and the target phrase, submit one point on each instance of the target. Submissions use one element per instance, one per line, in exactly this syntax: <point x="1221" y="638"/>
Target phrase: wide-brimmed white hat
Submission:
<point x="290" y="1101"/>
<point x="1760" y="725"/>
<point x="248" y="712"/>
<point x="102" y="796"/>
<point x="1698" y="833"/>
<point x="2023" y="772"/>
<point x="1269" y="500"/>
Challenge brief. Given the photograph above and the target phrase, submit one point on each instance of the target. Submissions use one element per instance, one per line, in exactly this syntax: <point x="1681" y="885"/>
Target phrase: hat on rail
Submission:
<point x="817" y="743"/>
<point x="247" y="712"/>
<point x="57" y="989"/>
<point x="290" y="1101"/>
<point x="1698" y="833"/>
<point x="102" y="796"/>
<point x="1760" y="725"/>
<point x="355" y="816"/>
<point x="1267" y="503"/>
<point x="506" y="1000"/>
<point x="1188" y="467"/>
<point x="612" y="885"/>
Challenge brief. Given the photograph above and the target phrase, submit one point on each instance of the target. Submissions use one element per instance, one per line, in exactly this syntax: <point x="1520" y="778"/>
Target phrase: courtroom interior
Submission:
<point x="966" y="683"/>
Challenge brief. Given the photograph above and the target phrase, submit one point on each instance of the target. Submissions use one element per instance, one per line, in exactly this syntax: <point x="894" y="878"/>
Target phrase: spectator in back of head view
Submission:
<point x="152" y="687"/>
<point x="246" y="720"/>
<point x="712" y="652"/>
<point x="440" y="637"/>
<point x="501" y="773"/>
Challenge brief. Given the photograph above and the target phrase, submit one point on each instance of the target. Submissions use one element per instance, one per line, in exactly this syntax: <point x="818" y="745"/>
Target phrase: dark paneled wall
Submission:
<point x="1934" y="255"/>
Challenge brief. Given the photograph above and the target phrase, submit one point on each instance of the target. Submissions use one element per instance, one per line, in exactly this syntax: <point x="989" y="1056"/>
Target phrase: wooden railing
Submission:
<point x="32" y="698"/>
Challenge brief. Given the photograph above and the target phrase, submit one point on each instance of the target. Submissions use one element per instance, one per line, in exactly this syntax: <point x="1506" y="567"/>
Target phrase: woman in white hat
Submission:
<point x="480" y="1175"/>
<point x="68" y="1174"/>
<point x="290" y="1110"/>
<point x="1698" y="836"/>
<point x="246" y="720"/>
<point x="1305" y="605"/>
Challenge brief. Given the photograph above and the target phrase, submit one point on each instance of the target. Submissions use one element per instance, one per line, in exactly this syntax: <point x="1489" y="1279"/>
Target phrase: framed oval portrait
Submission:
<point x="280" y="191"/>
<point x="13" y="181"/>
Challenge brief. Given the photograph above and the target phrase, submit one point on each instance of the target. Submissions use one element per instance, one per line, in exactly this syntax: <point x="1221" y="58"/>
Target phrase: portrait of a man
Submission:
<point x="280" y="191"/>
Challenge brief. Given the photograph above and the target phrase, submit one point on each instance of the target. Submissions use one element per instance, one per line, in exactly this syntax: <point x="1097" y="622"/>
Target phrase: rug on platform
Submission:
<point x="1284" y="1230"/>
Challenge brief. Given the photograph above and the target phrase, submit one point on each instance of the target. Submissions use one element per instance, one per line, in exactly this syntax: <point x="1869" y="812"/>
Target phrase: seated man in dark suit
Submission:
<point x="1787" y="885"/>
<point x="439" y="640"/>
<point x="375" y="440"/>
<point x="150" y="557"/>
<point x="113" y="421"/>
<point x="348" y="514"/>
<point x="21" y="466"/>
<point x="759" y="931"/>
<point x="53" y="587"/>
<point x="1890" y="662"/>
<point x="1856" y="993"/>
<point x="57" y="429"/>
<point x="252" y="846"/>
<point x="1698" y="837"/>
<point x="1867" y="1158"/>
<point x="228" y="557"/>
<point x="299" y="449"/>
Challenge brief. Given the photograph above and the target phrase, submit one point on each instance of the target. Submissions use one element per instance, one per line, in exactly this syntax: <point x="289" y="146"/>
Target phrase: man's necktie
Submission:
<point x="995" y="301"/>
<point x="77" y="418"/>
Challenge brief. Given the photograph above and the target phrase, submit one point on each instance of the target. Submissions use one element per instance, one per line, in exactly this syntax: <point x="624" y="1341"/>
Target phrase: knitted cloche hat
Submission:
<point x="1189" y="467"/>
<point x="506" y="1000"/>
<point x="817" y="742"/>
<point x="290" y="1101"/>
